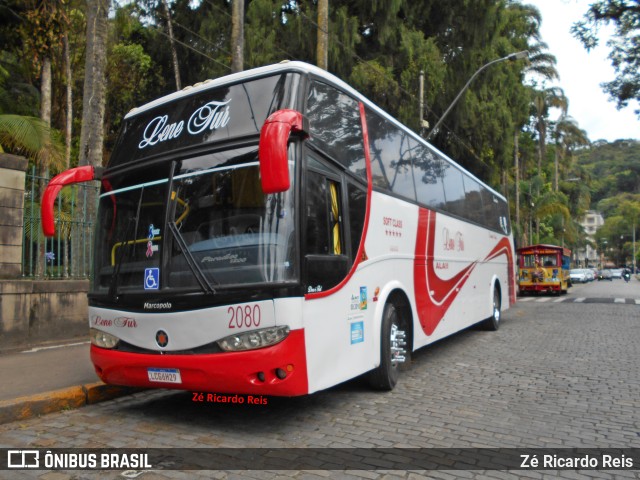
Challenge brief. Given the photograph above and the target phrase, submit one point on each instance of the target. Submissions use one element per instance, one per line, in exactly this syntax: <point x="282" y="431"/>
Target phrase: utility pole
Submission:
<point x="237" y="36"/>
<point x="421" y="93"/>
<point x="634" y="248"/>
<point x="423" y="123"/>
<point x="323" y="34"/>
<point x="517" y="177"/>
<point x="172" y="43"/>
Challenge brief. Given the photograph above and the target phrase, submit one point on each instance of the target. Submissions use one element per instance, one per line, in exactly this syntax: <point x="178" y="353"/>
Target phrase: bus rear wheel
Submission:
<point x="393" y="350"/>
<point x="493" y="322"/>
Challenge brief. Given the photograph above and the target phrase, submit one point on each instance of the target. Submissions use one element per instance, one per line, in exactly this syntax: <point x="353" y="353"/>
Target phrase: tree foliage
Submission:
<point x="613" y="167"/>
<point x="624" y="46"/>
<point x="615" y="170"/>
<point x="380" y="47"/>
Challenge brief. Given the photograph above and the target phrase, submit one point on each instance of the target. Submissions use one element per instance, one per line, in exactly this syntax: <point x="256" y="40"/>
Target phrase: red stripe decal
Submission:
<point x="504" y="248"/>
<point x="433" y="295"/>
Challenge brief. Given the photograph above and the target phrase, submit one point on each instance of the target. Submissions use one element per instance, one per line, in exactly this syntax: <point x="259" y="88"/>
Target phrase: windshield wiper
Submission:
<point x="202" y="280"/>
<point x="204" y="283"/>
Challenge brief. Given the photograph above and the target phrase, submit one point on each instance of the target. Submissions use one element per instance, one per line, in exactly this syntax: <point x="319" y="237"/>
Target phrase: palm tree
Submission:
<point x="541" y="65"/>
<point x="540" y="62"/>
<point x="568" y="136"/>
<point x="25" y="135"/>
<point x="30" y="137"/>
<point x="543" y="101"/>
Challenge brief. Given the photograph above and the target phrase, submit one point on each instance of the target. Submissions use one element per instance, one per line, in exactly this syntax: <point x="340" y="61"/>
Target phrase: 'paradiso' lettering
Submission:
<point x="210" y="116"/>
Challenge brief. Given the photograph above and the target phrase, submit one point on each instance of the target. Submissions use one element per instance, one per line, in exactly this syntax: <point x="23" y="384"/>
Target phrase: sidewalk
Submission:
<point x="50" y="378"/>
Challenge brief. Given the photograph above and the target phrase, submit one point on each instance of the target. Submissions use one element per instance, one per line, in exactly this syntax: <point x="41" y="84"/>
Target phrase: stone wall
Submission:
<point x="12" y="178"/>
<point x="31" y="311"/>
<point x="34" y="312"/>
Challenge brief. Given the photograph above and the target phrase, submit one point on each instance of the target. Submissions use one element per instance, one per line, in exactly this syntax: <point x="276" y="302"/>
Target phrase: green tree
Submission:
<point x="21" y="132"/>
<point x="567" y="136"/>
<point x="624" y="54"/>
<point x="542" y="102"/>
<point x="614" y="168"/>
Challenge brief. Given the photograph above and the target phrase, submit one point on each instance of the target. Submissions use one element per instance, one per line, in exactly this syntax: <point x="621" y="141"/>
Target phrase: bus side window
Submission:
<point x="316" y="233"/>
<point x="324" y="216"/>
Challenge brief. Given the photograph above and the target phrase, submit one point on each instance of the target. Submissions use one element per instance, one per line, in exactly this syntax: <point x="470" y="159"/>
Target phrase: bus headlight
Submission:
<point x="103" y="339"/>
<point x="254" y="339"/>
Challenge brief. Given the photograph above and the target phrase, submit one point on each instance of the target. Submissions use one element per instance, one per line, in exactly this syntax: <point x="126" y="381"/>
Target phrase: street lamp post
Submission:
<point x="512" y="57"/>
<point x="634" y="248"/>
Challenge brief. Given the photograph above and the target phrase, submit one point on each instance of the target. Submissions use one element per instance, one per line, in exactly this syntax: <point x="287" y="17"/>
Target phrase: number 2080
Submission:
<point x="244" y="316"/>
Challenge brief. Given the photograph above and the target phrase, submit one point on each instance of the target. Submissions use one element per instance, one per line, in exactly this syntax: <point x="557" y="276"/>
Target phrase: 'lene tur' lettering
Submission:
<point x="211" y="116"/>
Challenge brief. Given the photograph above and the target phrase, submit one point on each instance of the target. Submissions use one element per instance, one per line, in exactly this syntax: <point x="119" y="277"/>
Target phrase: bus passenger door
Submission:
<point x="326" y="262"/>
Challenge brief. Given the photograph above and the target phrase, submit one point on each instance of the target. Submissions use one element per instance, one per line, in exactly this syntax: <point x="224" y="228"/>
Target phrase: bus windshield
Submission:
<point x="200" y="223"/>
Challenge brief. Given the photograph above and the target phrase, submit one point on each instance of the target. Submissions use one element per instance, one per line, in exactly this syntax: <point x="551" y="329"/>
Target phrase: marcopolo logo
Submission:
<point x="157" y="305"/>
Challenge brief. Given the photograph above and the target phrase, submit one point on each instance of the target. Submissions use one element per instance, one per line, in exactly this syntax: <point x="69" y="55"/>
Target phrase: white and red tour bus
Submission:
<point x="273" y="232"/>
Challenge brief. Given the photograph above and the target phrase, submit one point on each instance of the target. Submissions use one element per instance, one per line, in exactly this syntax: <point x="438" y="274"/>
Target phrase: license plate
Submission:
<point x="164" y="375"/>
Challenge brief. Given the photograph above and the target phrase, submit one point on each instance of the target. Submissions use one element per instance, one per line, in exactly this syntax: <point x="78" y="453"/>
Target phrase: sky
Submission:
<point x="582" y="72"/>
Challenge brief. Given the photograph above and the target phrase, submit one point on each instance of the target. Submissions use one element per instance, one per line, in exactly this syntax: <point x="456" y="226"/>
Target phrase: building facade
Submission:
<point x="589" y="256"/>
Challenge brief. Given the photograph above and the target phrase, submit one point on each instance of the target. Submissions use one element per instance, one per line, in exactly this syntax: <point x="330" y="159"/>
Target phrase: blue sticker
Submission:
<point x="357" y="332"/>
<point x="151" y="278"/>
<point x="363" y="298"/>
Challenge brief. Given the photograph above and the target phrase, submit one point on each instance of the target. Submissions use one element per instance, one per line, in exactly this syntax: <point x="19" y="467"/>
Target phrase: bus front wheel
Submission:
<point x="393" y="350"/>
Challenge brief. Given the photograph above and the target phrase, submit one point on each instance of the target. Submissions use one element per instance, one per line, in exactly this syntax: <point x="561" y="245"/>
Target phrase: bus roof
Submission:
<point x="304" y="68"/>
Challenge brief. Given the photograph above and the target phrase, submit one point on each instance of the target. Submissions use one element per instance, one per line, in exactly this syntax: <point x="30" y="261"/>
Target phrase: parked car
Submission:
<point x="590" y="274"/>
<point x="578" y="275"/>
<point x="605" y="275"/>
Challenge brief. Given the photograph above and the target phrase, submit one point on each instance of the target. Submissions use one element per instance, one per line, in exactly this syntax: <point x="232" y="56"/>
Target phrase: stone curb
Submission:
<point x="23" y="408"/>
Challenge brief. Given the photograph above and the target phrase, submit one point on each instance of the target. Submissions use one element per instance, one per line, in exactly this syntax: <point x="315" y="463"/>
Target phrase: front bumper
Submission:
<point x="249" y="372"/>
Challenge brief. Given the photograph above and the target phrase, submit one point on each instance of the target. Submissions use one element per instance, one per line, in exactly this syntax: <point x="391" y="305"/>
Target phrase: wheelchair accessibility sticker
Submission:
<point x="151" y="278"/>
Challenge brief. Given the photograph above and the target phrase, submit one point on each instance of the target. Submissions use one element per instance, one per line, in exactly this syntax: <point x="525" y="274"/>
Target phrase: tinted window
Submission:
<point x="503" y="216"/>
<point x="357" y="211"/>
<point x="317" y="215"/>
<point x="401" y="171"/>
<point x="428" y="172"/>
<point x="474" y="210"/>
<point x="336" y="128"/>
<point x="492" y="209"/>
<point x="324" y="230"/>
<point x="326" y="261"/>
<point x="391" y="165"/>
<point x="453" y="190"/>
<point x="208" y="116"/>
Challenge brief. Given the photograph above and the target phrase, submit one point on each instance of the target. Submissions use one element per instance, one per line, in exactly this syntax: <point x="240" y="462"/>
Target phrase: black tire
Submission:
<point x="493" y="322"/>
<point x="386" y="375"/>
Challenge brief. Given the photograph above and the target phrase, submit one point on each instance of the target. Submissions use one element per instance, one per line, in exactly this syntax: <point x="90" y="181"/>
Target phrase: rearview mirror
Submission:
<point x="272" y="153"/>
